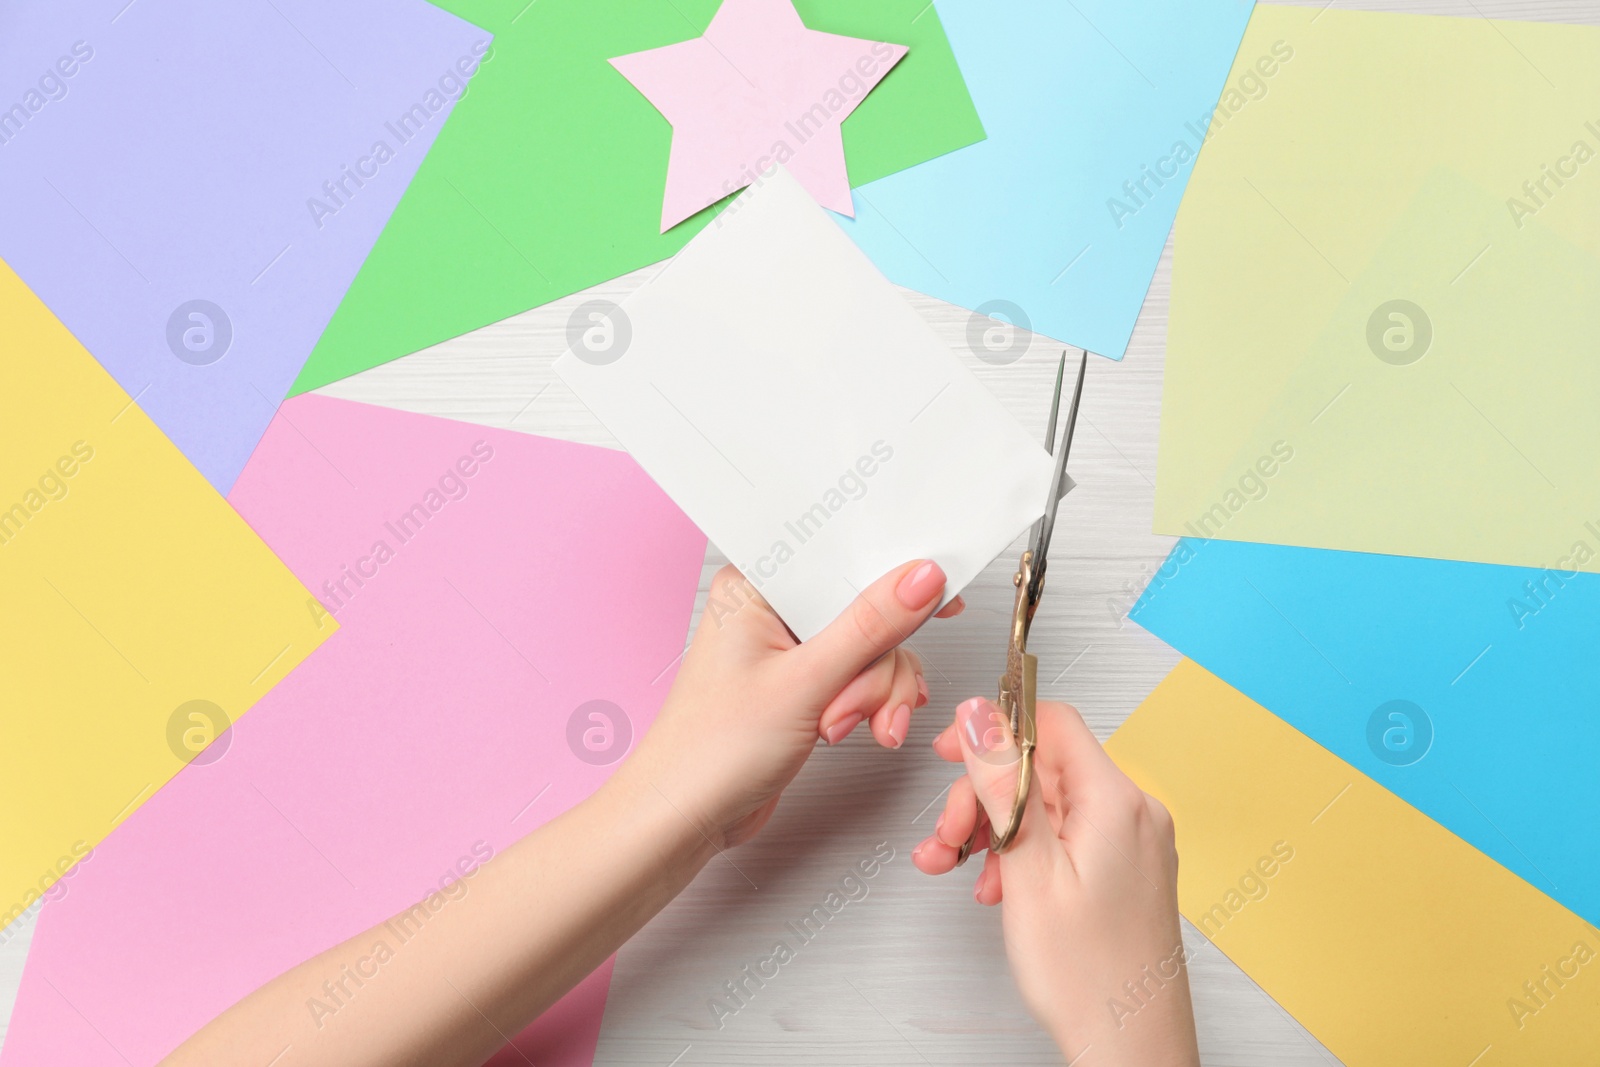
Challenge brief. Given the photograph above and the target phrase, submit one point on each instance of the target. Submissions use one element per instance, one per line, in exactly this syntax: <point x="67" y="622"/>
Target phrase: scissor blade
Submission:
<point x="1055" y="406"/>
<point x="1050" y="436"/>
<point x="1041" y="545"/>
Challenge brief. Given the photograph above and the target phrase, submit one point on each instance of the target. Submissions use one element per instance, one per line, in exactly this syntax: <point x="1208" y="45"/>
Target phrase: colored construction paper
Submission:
<point x="1094" y="112"/>
<point x="192" y="186"/>
<point x="1388" y="937"/>
<point x="511" y="610"/>
<point x="1467" y="689"/>
<point x="141" y="615"/>
<point x="819" y="431"/>
<point x="1392" y="326"/>
<point x="550" y="178"/>
<point x="756" y="88"/>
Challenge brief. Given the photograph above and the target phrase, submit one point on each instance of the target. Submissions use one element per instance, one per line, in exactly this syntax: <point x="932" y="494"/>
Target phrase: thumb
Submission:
<point x="883" y="616"/>
<point x="993" y="763"/>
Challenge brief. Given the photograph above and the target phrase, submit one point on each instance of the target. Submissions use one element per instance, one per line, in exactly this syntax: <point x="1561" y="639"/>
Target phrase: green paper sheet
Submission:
<point x="1386" y="295"/>
<point x="549" y="176"/>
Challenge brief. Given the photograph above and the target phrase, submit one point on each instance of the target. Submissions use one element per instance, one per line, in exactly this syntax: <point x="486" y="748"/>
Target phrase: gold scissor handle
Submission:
<point x="1019" y="688"/>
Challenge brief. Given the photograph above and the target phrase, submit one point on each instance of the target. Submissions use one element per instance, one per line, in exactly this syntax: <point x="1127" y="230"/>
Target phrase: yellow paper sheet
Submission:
<point x="1386" y="293"/>
<point x="1389" y="938"/>
<point x="129" y="589"/>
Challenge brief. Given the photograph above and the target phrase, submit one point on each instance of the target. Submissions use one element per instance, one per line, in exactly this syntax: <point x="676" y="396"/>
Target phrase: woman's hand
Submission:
<point x="750" y="703"/>
<point x="744" y="713"/>
<point x="1089" y="884"/>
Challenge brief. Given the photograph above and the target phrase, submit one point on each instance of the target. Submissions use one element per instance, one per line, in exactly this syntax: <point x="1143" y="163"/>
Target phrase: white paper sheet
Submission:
<point x="786" y="396"/>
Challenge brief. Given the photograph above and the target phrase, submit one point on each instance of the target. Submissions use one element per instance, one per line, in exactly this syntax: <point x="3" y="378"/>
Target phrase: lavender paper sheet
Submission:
<point x="191" y="186"/>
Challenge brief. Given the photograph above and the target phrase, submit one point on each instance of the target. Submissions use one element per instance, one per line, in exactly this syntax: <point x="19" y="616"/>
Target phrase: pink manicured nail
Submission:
<point x="900" y="724"/>
<point x="919" y="587"/>
<point x="922" y="688"/>
<point x="980" y="723"/>
<point x="841" y="729"/>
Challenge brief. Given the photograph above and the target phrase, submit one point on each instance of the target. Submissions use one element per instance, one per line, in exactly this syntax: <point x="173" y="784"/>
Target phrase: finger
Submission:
<point x="1086" y="777"/>
<point x="865" y="694"/>
<point x="948" y="745"/>
<point x="933" y="856"/>
<point x="731" y="594"/>
<point x="987" y="891"/>
<point x="1050" y="790"/>
<point x="960" y="814"/>
<point x="920" y="678"/>
<point x="993" y="763"/>
<point x="892" y="721"/>
<point x="886" y="613"/>
<point x="914" y="663"/>
<point x="952" y="609"/>
<point x="991" y="755"/>
<point x="941" y="852"/>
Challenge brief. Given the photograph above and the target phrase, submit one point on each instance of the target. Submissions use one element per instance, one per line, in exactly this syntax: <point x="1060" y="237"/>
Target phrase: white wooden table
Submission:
<point x="914" y="973"/>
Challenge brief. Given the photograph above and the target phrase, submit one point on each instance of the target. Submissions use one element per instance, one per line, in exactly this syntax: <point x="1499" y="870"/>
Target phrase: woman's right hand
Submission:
<point x="1089" y="885"/>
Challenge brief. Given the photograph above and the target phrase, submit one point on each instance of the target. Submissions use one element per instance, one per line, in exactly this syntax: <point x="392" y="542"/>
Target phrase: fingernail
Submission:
<point x="919" y="587"/>
<point x="938" y="825"/>
<point x="922" y="691"/>
<point x="841" y="729"/>
<point x="900" y="724"/>
<point x="981" y="724"/>
<point x="918" y="850"/>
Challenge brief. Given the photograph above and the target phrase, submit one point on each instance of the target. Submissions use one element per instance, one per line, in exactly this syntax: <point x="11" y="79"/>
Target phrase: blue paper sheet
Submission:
<point x="1470" y="690"/>
<point x="1094" y="111"/>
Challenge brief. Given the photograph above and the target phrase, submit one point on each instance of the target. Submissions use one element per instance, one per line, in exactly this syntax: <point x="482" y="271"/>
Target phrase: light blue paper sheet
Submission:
<point x="1498" y="735"/>
<point x="1082" y="100"/>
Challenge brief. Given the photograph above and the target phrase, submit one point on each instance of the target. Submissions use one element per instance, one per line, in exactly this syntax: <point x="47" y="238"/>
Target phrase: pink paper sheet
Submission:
<point x="433" y="726"/>
<point x="757" y="88"/>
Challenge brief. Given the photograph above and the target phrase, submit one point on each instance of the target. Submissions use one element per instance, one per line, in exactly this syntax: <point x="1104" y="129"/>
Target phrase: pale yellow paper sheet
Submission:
<point x="1390" y="939"/>
<point x="1449" y="163"/>
<point x="128" y="588"/>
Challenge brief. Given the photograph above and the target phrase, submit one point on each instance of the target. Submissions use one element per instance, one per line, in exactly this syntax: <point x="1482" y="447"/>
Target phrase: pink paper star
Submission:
<point x="758" y="88"/>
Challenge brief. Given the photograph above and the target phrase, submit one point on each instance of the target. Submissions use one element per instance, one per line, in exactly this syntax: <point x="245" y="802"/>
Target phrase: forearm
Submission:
<point x="489" y="956"/>
<point x="1158" y="1032"/>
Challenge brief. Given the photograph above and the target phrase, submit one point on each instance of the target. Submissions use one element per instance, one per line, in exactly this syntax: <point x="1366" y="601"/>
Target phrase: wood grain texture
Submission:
<point x="914" y="973"/>
<point x="14" y="943"/>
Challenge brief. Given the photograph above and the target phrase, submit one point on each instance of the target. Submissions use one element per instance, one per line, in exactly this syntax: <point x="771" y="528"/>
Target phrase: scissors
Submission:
<point x="1019" y="685"/>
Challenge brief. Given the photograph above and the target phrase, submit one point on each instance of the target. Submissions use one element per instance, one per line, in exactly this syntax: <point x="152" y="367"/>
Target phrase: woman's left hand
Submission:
<point x="750" y="702"/>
